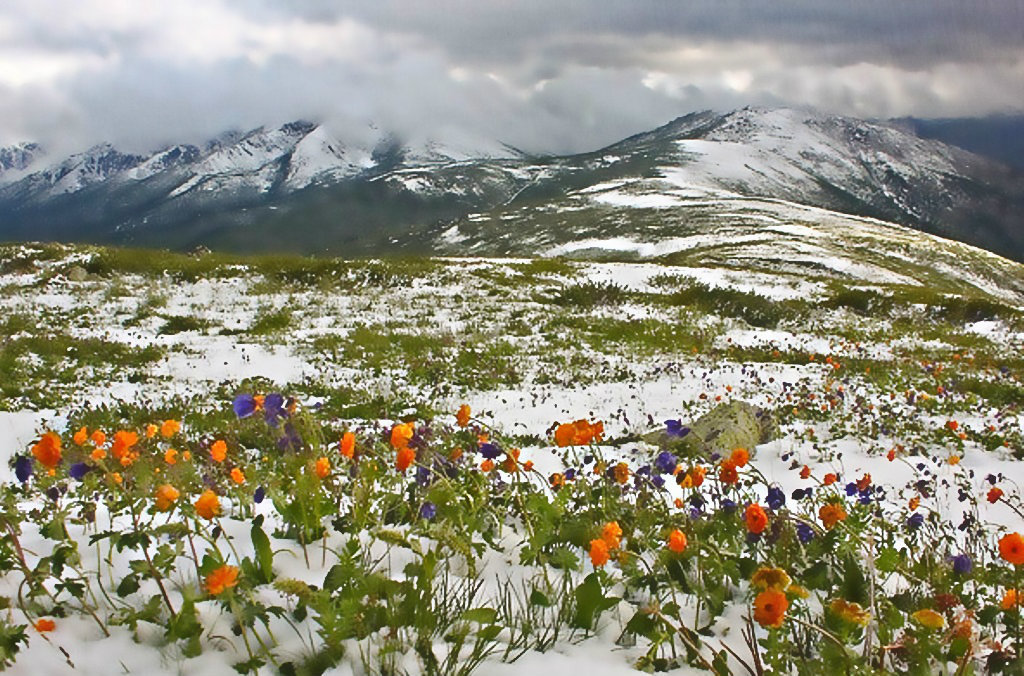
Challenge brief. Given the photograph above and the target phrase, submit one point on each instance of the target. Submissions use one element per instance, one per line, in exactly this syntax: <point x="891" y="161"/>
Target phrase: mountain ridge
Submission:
<point x="324" y="196"/>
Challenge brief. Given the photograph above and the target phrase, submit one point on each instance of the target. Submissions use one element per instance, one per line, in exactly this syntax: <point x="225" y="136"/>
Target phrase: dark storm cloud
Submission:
<point x="543" y="76"/>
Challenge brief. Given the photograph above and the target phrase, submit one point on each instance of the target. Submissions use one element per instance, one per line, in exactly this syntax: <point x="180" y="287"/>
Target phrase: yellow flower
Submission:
<point x="850" y="612"/>
<point x="770" y="578"/>
<point x="929" y="618"/>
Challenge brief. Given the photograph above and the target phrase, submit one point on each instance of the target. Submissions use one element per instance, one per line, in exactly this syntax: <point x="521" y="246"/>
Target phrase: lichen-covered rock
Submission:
<point x="734" y="424"/>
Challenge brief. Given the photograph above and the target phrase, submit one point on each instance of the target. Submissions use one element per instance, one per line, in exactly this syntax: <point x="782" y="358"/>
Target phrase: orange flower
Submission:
<point x="323" y="466"/>
<point x="677" y="541"/>
<point x="598" y="552"/>
<point x="169" y="428"/>
<point x="1009" y="600"/>
<point x="805" y="473"/>
<point x="830" y="479"/>
<point x="237" y="476"/>
<point x="171" y="456"/>
<point x="728" y="474"/>
<point x="1011" y="548"/>
<point x="116" y="478"/>
<point x="579" y="433"/>
<point x="863" y="483"/>
<point x="914" y="503"/>
<point x="891" y="455"/>
<point x="151" y="430"/>
<point x="462" y="417"/>
<point x="612" y="534"/>
<point x="755" y="518"/>
<point x="165" y="497"/>
<point x="770" y="608"/>
<point x="405" y="458"/>
<point x="401" y="435"/>
<point x="621" y="472"/>
<point x="953" y="460"/>
<point x="208" y="505"/>
<point x="186" y="456"/>
<point x="564" y="435"/>
<point x="994" y="494"/>
<point x="45" y="624"/>
<point x="81" y="436"/>
<point x="952" y="425"/>
<point x="47" y="450"/>
<point x="557" y="480"/>
<point x="98" y="454"/>
<point x="831" y="514"/>
<point x="219" y="450"/>
<point x="348" y="444"/>
<point x="528" y="466"/>
<point x="98" y="437"/>
<point x="123" y="442"/>
<point x="487" y="465"/>
<point x="739" y="457"/>
<point x="221" y="579"/>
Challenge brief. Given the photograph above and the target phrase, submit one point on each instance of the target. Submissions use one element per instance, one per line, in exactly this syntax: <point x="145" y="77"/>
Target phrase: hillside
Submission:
<point x="298" y="188"/>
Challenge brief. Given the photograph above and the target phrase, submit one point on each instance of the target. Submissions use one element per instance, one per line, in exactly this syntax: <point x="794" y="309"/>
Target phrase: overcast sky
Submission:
<point x="544" y="75"/>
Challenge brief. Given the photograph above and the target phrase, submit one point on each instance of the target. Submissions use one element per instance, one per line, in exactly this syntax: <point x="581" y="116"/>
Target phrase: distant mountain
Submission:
<point x="999" y="137"/>
<point x="299" y="188"/>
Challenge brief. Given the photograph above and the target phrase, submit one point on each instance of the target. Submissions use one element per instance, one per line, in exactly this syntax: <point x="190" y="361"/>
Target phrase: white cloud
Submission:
<point x="544" y="76"/>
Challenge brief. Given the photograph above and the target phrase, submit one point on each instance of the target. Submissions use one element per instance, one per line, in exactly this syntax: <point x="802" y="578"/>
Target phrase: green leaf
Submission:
<point x="854" y="586"/>
<point x="589" y="597"/>
<point x="539" y="598"/>
<point x="264" y="555"/>
<point x="643" y="624"/>
<point x="129" y="585"/>
<point x="480" y="615"/>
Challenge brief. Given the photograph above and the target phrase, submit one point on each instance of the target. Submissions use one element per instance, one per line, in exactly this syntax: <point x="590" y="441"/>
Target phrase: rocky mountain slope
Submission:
<point x="298" y="188"/>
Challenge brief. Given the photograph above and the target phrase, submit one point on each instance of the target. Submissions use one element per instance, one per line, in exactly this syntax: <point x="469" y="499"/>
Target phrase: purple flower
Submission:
<point x="78" y="470"/>
<point x="422" y="475"/>
<point x="490" y="451"/>
<point x="675" y="428"/>
<point x="851" y="488"/>
<point x="776" y="498"/>
<point x="258" y="496"/>
<point x="291" y="439"/>
<point x="915" y="521"/>
<point x="570" y="474"/>
<point x="23" y="468"/>
<point x="658" y="481"/>
<point x="53" y="493"/>
<point x="961" y="564"/>
<point x="665" y="463"/>
<point x="728" y="506"/>
<point x="804" y="532"/>
<point x="273" y="408"/>
<point x="244" y="405"/>
<point x="428" y="510"/>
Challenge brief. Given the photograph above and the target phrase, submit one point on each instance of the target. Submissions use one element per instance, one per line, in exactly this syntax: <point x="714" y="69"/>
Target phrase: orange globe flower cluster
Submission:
<point x="610" y="541"/>
<point x="579" y="433"/>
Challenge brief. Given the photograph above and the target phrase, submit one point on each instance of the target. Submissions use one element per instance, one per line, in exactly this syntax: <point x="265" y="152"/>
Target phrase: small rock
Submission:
<point x="76" y="273"/>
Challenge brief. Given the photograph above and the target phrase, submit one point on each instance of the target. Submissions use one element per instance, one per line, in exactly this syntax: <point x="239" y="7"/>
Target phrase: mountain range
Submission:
<point x="298" y="188"/>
